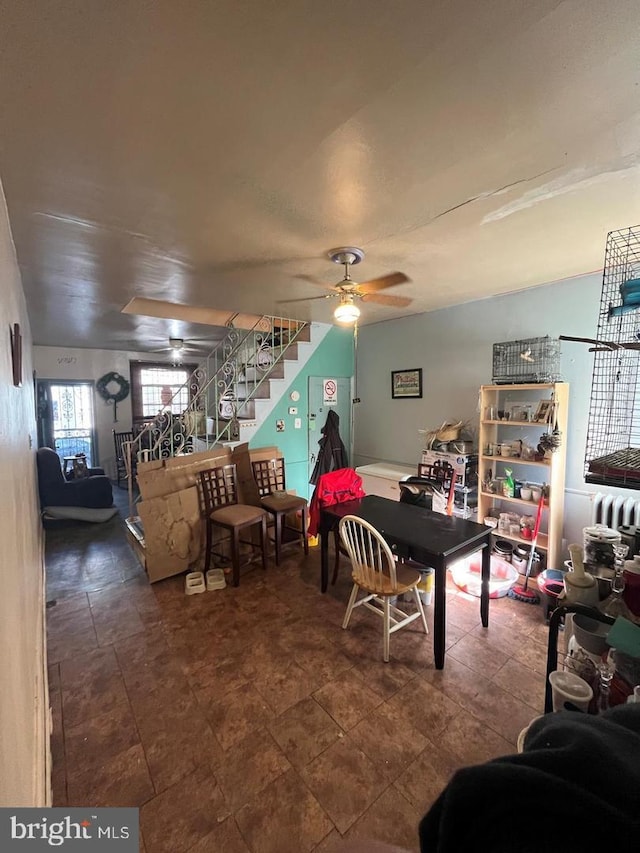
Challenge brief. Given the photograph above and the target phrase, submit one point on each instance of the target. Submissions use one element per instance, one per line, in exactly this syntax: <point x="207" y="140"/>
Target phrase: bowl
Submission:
<point x="490" y="521"/>
<point x="466" y="575"/>
<point x="590" y="634"/>
<point x="525" y="493"/>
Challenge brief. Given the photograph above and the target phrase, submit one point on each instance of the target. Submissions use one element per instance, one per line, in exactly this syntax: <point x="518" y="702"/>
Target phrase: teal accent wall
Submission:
<point x="333" y="357"/>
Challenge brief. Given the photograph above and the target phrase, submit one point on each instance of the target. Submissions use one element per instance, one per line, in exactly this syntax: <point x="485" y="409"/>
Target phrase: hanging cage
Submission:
<point x="612" y="455"/>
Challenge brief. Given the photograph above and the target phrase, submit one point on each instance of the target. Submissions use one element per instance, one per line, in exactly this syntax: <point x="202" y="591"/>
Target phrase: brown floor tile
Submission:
<point x="217" y="678"/>
<point x="91" y="683"/>
<point x="250" y="766"/>
<point x="285" y="685"/>
<point x="501" y="712"/>
<point x="390" y="744"/>
<point x="184" y="814"/>
<point x="456" y="680"/>
<point x="176" y="736"/>
<point x="423" y="706"/>
<point x="100" y="738"/>
<point x="344" y="781"/>
<point x="225" y="838"/>
<point x="472" y="741"/>
<point x="332" y="843"/>
<point x="325" y="662"/>
<point x="121" y="781"/>
<point x="347" y="699"/>
<point x="64" y="606"/>
<point x="424" y="779"/>
<point x="391" y="819"/>
<point x="286" y="816"/>
<point x="522" y="682"/>
<point x="59" y="785"/>
<point x="304" y="731"/>
<point x="533" y="655"/>
<point x="385" y="679"/>
<point x="236" y="714"/>
<point x="463" y="612"/>
<point x="70" y="634"/>
<point x="116" y="624"/>
<point x="478" y="655"/>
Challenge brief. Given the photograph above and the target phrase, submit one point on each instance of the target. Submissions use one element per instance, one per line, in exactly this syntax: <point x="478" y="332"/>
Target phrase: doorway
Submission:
<point x="325" y="394"/>
<point x="66" y="420"/>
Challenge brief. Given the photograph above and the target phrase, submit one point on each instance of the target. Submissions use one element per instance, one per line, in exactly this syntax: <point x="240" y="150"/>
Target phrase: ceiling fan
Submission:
<point x="179" y="347"/>
<point x="349" y="291"/>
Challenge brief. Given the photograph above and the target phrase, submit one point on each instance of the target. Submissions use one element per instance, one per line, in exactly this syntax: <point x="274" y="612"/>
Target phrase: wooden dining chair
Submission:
<point x="375" y="572"/>
<point x="270" y="479"/>
<point x="219" y="495"/>
<point x="119" y="438"/>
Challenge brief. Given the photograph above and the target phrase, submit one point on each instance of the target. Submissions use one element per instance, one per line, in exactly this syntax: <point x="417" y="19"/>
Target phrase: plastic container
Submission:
<point x="194" y="583"/>
<point x="551" y="586"/>
<point x="467" y="576"/>
<point x="569" y="687"/>
<point x="215" y="580"/>
<point x="503" y="549"/>
<point x="598" y="545"/>
<point x="425" y="586"/>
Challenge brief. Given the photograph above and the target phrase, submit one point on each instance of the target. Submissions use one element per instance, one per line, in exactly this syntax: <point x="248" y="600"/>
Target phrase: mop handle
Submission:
<point x="534" y="541"/>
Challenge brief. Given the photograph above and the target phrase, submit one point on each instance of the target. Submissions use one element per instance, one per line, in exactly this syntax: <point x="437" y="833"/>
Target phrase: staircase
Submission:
<point x="226" y="391"/>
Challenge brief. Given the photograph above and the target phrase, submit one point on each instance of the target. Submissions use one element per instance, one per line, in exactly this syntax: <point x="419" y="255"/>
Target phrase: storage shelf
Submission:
<point x="516" y="459"/>
<point x="520" y="501"/>
<point x="518" y="423"/>
<point x="499" y="397"/>
<point x="542" y="543"/>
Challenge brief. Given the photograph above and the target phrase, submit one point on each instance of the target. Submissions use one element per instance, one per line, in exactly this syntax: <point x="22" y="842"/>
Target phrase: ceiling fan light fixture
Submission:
<point x="346" y="312"/>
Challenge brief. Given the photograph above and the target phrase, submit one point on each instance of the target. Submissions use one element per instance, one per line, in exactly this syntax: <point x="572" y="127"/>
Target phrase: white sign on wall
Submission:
<point x="329" y="392"/>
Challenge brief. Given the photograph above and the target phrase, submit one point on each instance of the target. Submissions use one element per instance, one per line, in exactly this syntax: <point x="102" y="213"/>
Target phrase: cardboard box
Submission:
<point x="465" y="465"/>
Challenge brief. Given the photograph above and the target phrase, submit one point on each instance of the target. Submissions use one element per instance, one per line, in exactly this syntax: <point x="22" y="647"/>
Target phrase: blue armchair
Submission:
<point x="94" y="492"/>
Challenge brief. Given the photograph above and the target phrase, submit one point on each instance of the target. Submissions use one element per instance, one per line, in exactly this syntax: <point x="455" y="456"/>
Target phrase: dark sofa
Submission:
<point x="93" y="492"/>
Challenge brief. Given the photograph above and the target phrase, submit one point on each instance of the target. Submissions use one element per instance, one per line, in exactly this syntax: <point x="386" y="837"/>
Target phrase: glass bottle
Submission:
<point x="615" y="605"/>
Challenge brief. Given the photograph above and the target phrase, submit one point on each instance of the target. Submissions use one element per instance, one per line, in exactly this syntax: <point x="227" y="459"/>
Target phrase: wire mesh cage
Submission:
<point x="612" y="455"/>
<point x="531" y="360"/>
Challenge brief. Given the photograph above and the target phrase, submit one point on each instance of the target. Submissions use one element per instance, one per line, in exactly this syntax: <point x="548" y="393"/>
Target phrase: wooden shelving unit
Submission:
<point x="549" y="471"/>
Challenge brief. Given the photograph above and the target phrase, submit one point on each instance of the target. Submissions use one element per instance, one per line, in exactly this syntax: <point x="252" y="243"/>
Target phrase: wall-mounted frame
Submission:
<point x="543" y="412"/>
<point x="16" y="354"/>
<point x="406" y="383"/>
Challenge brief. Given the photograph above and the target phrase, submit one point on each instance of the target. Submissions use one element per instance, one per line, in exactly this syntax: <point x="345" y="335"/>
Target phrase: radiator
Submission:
<point x="615" y="511"/>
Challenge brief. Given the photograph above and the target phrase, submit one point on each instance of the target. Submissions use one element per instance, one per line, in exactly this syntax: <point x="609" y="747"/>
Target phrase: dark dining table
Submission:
<point x="422" y="536"/>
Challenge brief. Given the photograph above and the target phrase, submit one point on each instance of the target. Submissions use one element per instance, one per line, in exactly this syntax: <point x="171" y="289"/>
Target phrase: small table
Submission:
<point x="418" y="534"/>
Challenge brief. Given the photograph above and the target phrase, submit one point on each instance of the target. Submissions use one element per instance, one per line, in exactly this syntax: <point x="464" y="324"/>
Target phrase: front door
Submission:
<point x="65" y="418"/>
<point x="325" y="393"/>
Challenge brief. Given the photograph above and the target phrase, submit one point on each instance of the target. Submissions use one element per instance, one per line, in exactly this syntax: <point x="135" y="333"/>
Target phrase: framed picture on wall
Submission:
<point x="406" y="383"/>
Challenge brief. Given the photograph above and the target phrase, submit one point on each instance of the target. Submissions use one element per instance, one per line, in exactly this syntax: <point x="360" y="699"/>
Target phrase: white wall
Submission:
<point x="454" y="348"/>
<point x="89" y="365"/>
<point x="23" y="691"/>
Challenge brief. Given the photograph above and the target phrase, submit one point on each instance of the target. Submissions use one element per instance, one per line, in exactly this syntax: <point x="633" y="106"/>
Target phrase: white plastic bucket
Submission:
<point x="425" y="585"/>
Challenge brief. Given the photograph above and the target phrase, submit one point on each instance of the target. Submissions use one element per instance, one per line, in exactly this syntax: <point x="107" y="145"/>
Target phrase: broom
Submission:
<point x="521" y="593"/>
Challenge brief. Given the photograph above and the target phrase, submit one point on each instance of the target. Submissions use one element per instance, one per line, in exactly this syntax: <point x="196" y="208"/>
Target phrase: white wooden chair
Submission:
<point x="375" y="571"/>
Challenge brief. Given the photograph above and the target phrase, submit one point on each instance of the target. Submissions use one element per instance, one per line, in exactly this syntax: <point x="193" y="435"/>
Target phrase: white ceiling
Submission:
<point x="212" y="152"/>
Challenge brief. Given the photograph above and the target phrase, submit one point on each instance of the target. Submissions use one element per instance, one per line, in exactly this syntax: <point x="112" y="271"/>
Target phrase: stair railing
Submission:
<point x="220" y="391"/>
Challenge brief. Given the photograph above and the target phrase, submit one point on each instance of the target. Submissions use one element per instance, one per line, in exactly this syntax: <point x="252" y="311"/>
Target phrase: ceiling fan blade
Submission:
<point x="386" y="299"/>
<point x="189" y="313"/>
<point x="304" y="299"/>
<point x="390" y="280"/>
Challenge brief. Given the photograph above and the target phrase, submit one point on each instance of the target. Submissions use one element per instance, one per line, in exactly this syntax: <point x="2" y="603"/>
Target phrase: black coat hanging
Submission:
<point x="332" y="454"/>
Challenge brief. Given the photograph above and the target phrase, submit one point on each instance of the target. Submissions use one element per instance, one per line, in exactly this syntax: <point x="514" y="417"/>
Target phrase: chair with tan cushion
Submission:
<point x="270" y="479"/>
<point x="219" y="493"/>
<point x="375" y="571"/>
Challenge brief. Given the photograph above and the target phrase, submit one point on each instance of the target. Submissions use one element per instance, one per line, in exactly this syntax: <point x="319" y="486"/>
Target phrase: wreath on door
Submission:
<point x="104" y="386"/>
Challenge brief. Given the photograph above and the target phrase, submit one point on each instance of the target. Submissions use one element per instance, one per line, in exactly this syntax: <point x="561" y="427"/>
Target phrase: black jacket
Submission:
<point x="332" y="454"/>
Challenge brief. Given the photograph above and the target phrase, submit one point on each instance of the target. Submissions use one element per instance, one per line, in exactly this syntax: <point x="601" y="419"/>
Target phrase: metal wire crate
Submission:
<point x="612" y="454"/>
<point x="525" y="361"/>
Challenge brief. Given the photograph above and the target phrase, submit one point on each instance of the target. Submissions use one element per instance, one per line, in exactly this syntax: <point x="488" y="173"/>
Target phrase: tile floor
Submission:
<point x="247" y="721"/>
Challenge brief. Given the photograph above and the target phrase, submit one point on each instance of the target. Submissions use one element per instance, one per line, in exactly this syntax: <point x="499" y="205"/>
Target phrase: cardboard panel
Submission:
<point x="172" y="533"/>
